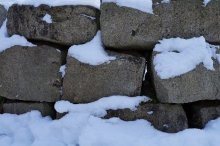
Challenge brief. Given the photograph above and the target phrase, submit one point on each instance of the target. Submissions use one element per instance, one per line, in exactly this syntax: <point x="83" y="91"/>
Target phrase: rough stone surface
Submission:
<point x="46" y="109"/>
<point x="71" y="24"/>
<point x="164" y="117"/>
<point x="128" y="28"/>
<point x="198" y="84"/>
<point x="30" y="73"/>
<point x="203" y="112"/>
<point x="85" y="83"/>
<point x="124" y="27"/>
<point x="3" y="14"/>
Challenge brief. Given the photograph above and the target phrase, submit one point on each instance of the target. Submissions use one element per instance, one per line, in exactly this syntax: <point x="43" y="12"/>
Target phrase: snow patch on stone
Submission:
<point x="142" y="5"/>
<point x="62" y="70"/>
<point x="91" y="53"/>
<point x="7" y="42"/>
<point x="178" y="56"/>
<point x="99" y="107"/>
<point x="47" y="18"/>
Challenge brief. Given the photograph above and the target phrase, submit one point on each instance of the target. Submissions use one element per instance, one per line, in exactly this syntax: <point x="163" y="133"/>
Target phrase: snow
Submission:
<point x="90" y="17"/>
<point x="91" y="53"/>
<point x="98" y="108"/>
<point x="36" y="3"/>
<point x="7" y="42"/>
<point x="84" y="126"/>
<point x="205" y="2"/>
<point x="47" y="18"/>
<point x="165" y="1"/>
<point x="150" y="112"/>
<point x="179" y="56"/>
<point x="62" y="70"/>
<point x="142" y="5"/>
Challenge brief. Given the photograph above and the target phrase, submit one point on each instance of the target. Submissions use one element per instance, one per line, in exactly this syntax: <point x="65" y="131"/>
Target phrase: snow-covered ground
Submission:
<point x="83" y="125"/>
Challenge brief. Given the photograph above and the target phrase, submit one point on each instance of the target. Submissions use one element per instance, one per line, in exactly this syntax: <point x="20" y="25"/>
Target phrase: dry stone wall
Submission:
<point x="30" y="77"/>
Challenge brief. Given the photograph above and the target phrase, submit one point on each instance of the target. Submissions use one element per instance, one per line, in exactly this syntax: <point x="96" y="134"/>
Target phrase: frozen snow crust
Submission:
<point x="184" y="70"/>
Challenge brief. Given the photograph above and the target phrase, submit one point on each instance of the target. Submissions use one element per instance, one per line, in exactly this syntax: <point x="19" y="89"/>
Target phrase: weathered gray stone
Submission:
<point x="128" y="28"/>
<point x="124" y="27"/>
<point x="71" y="24"/>
<point x="3" y="14"/>
<point x="46" y="109"/>
<point x="30" y="73"/>
<point x="198" y="84"/>
<point x="164" y="117"/>
<point x="85" y="83"/>
<point x="203" y="112"/>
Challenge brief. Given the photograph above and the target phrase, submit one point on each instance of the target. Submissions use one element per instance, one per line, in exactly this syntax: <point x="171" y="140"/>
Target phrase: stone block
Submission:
<point x="70" y="24"/>
<point x="85" y="83"/>
<point x="30" y="73"/>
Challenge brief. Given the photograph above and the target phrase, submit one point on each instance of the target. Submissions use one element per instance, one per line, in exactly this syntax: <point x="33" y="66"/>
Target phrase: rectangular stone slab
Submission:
<point x="46" y="109"/>
<point x="85" y="83"/>
<point x="30" y="73"/>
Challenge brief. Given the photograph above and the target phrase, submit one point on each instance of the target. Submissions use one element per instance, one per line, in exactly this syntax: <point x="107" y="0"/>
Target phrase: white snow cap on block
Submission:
<point x="47" y="18"/>
<point x="91" y="53"/>
<point x="36" y="3"/>
<point x="179" y="56"/>
<point x="7" y="42"/>
<point x="142" y="5"/>
<point x="99" y="107"/>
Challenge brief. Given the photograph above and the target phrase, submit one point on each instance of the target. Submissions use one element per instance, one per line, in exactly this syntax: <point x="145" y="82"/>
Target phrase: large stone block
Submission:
<point x="200" y="113"/>
<point x="46" y="109"/>
<point x="30" y="73"/>
<point x="70" y="24"/>
<point x="198" y="84"/>
<point x="164" y="117"/>
<point x="127" y="28"/>
<point x="3" y="14"/>
<point x="85" y="83"/>
<point x="124" y="27"/>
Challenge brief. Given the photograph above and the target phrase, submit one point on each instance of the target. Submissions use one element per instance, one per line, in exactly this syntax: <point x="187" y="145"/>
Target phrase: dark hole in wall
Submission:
<point x="193" y="116"/>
